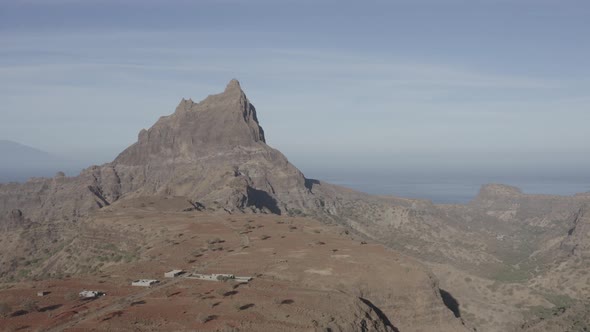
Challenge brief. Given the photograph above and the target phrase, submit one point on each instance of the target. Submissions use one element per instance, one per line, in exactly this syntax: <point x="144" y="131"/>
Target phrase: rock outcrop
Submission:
<point x="212" y="152"/>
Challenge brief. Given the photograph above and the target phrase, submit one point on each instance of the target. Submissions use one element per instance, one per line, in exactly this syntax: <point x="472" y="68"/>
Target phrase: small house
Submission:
<point x="86" y="294"/>
<point x="243" y="279"/>
<point x="173" y="273"/>
<point x="144" y="282"/>
<point x="42" y="293"/>
<point x="219" y="277"/>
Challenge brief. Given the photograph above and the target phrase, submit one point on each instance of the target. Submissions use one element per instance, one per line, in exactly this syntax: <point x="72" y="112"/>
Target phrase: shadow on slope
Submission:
<point x="261" y="199"/>
<point x="380" y="314"/>
<point x="450" y="302"/>
<point x="310" y="182"/>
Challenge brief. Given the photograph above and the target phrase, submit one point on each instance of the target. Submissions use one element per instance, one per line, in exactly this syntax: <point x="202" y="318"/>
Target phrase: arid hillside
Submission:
<point x="307" y="276"/>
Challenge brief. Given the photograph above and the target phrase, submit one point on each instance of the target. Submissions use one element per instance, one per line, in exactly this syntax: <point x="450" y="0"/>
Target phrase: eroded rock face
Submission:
<point x="576" y="242"/>
<point x="212" y="152"/>
<point x="14" y="220"/>
<point x="196" y="131"/>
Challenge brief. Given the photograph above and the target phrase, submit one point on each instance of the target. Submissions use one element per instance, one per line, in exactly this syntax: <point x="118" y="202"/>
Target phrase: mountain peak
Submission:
<point x="234" y="84"/>
<point x="219" y="123"/>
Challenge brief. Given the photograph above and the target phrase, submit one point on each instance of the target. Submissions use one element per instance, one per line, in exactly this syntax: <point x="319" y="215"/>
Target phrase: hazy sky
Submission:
<point x="457" y="84"/>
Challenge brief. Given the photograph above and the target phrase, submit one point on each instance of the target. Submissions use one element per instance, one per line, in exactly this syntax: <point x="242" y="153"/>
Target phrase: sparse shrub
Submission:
<point x="295" y="212"/>
<point x="241" y="307"/>
<point x="281" y="301"/>
<point x="265" y="237"/>
<point x="214" y="241"/>
<point x="214" y="247"/>
<point x="202" y="318"/>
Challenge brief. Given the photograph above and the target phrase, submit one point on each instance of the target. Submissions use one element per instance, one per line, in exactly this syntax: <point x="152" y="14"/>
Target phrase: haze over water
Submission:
<point x="450" y="188"/>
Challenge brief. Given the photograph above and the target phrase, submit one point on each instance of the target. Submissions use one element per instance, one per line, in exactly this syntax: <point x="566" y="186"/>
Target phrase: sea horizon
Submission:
<point x="445" y="188"/>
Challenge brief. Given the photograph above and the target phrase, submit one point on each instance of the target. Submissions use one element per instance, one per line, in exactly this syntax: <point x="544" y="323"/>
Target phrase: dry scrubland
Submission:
<point x="308" y="276"/>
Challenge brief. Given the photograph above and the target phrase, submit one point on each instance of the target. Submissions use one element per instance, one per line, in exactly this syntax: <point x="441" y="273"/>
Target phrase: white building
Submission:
<point x="144" y="282"/>
<point x="87" y="294"/>
<point x="243" y="279"/>
<point x="218" y="277"/>
<point x="42" y="293"/>
<point x="173" y="273"/>
<point x="213" y="277"/>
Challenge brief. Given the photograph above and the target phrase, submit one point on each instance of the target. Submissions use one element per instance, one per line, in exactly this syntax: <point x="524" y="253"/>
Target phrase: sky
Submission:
<point x="457" y="85"/>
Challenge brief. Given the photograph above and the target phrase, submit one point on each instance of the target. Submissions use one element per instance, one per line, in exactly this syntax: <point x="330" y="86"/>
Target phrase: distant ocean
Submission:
<point x="451" y="189"/>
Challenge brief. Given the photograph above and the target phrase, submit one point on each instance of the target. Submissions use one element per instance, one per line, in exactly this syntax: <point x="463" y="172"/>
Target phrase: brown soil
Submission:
<point x="307" y="276"/>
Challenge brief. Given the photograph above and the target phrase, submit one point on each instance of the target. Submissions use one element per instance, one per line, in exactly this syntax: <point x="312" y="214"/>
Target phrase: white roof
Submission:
<point x="145" y="281"/>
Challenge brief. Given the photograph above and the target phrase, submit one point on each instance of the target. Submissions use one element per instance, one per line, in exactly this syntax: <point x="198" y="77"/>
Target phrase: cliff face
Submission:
<point x="576" y="242"/>
<point x="196" y="131"/>
<point x="214" y="153"/>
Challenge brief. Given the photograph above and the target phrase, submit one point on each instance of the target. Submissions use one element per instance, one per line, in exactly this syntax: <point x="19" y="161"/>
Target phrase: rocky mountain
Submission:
<point x="504" y="260"/>
<point x="212" y="152"/>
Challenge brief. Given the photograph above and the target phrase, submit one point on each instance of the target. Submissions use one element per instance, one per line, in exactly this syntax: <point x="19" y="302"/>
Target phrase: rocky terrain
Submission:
<point x="507" y="261"/>
<point x="307" y="276"/>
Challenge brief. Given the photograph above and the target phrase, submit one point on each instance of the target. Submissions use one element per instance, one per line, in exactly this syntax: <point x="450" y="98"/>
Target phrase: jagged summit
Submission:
<point x="213" y="152"/>
<point x="218" y="123"/>
<point x="234" y="84"/>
